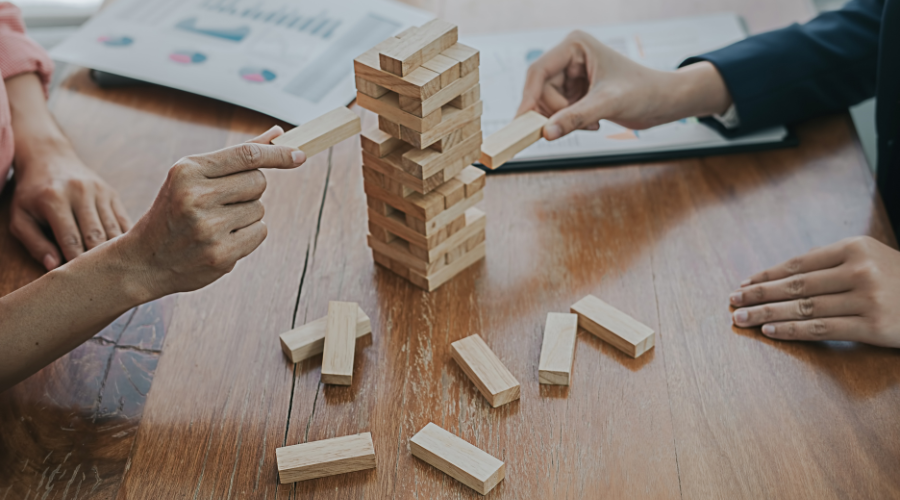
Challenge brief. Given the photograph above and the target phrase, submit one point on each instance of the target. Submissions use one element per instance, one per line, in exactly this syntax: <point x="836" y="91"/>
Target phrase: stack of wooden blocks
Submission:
<point x="420" y="185"/>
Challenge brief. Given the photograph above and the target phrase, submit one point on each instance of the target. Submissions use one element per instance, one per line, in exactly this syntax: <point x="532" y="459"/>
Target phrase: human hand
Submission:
<point x="54" y="188"/>
<point x="582" y="81"/>
<point x="849" y="290"/>
<point x="206" y="217"/>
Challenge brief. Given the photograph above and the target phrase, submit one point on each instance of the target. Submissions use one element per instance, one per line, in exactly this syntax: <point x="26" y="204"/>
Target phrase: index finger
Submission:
<point x="552" y="62"/>
<point x="248" y="156"/>
<point x="815" y="260"/>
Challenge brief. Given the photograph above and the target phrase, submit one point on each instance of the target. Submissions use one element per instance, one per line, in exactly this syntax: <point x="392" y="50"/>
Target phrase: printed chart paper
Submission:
<point x="661" y="45"/>
<point x="291" y="59"/>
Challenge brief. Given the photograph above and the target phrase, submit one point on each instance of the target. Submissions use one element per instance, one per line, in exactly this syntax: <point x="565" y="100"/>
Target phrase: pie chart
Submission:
<point x="256" y="74"/>
<point x="187" y="57"/>
<point x="116" y="41"/>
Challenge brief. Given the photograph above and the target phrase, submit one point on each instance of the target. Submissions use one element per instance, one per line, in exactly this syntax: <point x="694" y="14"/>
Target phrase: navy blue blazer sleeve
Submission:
<point x="801" y="71"/>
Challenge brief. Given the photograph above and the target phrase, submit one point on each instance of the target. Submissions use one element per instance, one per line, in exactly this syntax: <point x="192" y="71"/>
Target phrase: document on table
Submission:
<point x="291" y="59"/>
<point x="661" y="45"/>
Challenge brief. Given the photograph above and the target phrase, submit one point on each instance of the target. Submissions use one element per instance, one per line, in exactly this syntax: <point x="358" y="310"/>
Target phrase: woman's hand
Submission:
<point x="581" y="81"/>
<point x="55" y="189"/>
<point x="849" y="290"/>
<point x="206" y="217"/>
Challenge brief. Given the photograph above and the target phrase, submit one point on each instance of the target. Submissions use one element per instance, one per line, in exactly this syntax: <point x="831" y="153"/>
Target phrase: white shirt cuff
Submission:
<point x="729" y="119"/>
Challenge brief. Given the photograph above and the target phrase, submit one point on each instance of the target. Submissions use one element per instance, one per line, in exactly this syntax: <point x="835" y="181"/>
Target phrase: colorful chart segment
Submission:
<point x="187" y="57"/>
<point x="628" y="135"/>
<point x="116" y="41"/>
<point x="257" y="75"/>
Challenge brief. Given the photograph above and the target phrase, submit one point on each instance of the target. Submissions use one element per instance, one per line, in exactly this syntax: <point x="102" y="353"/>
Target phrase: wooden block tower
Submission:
<point x="421" y="187"/>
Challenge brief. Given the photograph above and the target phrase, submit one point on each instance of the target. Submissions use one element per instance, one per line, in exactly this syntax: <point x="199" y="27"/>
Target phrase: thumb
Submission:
<point x="583" y="114"/>
<point x="27" y="230"/>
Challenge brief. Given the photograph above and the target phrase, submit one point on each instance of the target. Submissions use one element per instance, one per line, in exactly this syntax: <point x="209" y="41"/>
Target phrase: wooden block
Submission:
<point x="558" y="349"/>
<point x="446" y="67"/>
<point x="381" y="259"/>
<point x="473" y="178"/>
<point x="423" y="260"/>
<point x="378" y="142"/>
<point x="433" y="281"/>
<point x="308" y="340"/>
<point x="423" y="163"/>
<point x="467" y="56"/>
<point x="468" y="98"/>
<point x="454" y="191"/>
<point x="373" y="176"/>
<point x="423" y="44"/>
<point x="457" y="458"/>
<point x="388" y="106"/>
<point x="457" y="136"/>
<point x="380" y="207"/>
<point x="389" y="127"/>
<point x="451" y="119"/>
<point x="406" y="32"/>
<point x="397" y="188"/>
<point x="396" y="225"/>
<point x="485" y="370"/>
<point x="456" y="253"/>
<point x="340" y="343"/>
<point x="420" y="84"/>
<point x="321" y="133"/>
<point x="501" y="146"/>
<point x="474" y="241"/>
<point x="429" y="227"/>
<point x="441" y="98"/>
<point x="370" y="89"/>
<point x="425" y="207"/>
<point x="380" y="233"/>
<point x="613" y="326"/>
<point x="327" y="457"/>
<point x="392" y="166"/>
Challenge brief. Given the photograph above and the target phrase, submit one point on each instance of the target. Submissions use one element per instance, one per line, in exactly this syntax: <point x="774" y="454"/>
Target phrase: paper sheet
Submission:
<point x="291" y="59"/>
<point x="661" y="45"/>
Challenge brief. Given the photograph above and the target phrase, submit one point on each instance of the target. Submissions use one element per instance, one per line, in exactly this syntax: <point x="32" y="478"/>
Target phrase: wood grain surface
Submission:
<point x="711" y="412"/>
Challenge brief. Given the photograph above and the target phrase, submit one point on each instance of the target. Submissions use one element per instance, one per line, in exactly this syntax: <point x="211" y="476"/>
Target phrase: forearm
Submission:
<point x="33" y="125"/>
<point x="694" y="90"/>
<point x="54" y="314"/>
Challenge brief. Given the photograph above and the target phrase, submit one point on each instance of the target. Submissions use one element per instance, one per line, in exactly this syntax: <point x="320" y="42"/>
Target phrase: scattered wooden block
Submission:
<point x="308" y="340"/>
<point x="473" y="178"/>
<point x="444" y="66"/>
<point x="421" y="45"/>
<point x="451" y="119"/>
<point x="558" y="349"/>
<point x="327" y="457"/>
<point x="441" y="98"/>
<point x="522" y="132"/>
<point x="485" y="369"/>
<point x="467" y="98"/>
<point x="420" y="84"/>
<point x="378" y="142"/>
<point x="467" y="56"/>
<point x="369" y="88"/>
<point x="388" y="106"/>
<point x="457" y="458"/>
<point x="340" y="343"/>
<point x="321" y="133"/>
<point x="613" y="326"/>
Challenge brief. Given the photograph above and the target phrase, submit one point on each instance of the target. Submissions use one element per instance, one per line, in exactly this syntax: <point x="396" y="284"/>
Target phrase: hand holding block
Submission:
<point x="321" y="133"/>
<point x="485" y="370"/>
<point x="457" y="458"/>
<point x="558" y="349"/>
<point x="327" y="457"/>
<point x="522" y="132"/>
<point x="340" y="343"/>
<point x="308" y="340"/>
<point x="613" y="326"/>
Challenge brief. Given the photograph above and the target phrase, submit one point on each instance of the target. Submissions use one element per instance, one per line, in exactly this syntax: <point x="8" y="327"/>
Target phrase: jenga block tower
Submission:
<point x="420" y="184"/>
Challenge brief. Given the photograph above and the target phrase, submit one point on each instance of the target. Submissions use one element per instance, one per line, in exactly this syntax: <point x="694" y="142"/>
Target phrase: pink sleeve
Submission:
<point x="18" y="53"/>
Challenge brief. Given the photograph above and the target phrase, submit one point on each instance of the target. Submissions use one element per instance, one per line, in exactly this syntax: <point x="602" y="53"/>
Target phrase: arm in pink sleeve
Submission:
<point x="18" y="53"/>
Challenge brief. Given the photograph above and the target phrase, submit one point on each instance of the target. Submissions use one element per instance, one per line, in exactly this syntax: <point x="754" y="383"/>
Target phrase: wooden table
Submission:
<point x="711" y="412"/>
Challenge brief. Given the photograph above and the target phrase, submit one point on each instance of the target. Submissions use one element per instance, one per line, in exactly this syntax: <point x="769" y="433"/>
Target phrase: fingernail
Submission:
<point x="276" y="128"/>
<point x="746" y="282"/>
<point x="552" y="131"/>
<point x="768" y="330"/>
<point x="736" y="298"/>
<point x="49" y="262"/>
<point x="741" y="316"/>
<point x="298" y="157"/>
